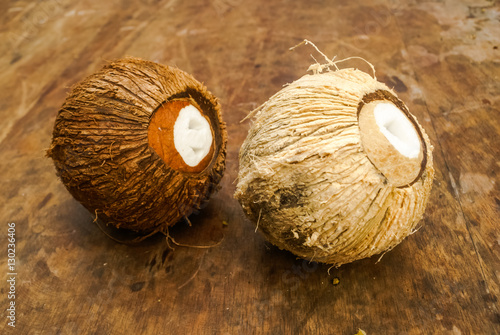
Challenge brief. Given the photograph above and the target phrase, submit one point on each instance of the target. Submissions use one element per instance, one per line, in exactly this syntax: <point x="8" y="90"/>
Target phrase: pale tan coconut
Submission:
<point x="335" y="168"/>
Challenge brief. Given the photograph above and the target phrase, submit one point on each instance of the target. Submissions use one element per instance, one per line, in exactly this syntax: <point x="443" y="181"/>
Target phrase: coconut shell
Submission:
<point x="306" y="180"/>
<point x="102" y="154"/>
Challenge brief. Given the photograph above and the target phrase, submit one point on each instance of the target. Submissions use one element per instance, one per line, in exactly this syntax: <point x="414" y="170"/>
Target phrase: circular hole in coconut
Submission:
<point x="182" y="136"/>
<point x="392" y="141"/>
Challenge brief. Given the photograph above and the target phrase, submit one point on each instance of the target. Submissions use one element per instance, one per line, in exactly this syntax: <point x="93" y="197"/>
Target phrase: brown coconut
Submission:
<point x="319" y="177"/>
<point x="113" y="145"/>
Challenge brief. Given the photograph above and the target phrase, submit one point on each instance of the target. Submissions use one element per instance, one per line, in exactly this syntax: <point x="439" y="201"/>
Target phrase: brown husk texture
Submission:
<point x="306" y="182"/>
<point x="101" y="153"/>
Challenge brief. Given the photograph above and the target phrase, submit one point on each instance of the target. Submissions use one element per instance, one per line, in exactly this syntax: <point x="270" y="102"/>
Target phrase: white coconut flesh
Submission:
<point x="182" y="136"/>
<point x="398" y="130"/>
<point x="192" y="135"/>
<point x="391" y="142"/>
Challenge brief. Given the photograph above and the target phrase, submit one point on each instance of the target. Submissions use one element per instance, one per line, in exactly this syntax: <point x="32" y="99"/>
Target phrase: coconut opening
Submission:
<point x="182" y="136"/>
<point x="391" y="142"/>
<point x="192" y="135"/>
<point x="397" y="129"/>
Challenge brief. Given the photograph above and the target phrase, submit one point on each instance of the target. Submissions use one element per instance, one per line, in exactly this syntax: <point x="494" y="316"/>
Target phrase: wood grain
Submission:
<point x="442" y="58"/>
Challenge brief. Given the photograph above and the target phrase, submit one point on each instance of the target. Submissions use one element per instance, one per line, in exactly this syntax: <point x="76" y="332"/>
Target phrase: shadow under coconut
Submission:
<point x="118" y="258"/>
<point x="203" y="228"/>
<point x="306" y="291"/>
<point x="295" y="276"/>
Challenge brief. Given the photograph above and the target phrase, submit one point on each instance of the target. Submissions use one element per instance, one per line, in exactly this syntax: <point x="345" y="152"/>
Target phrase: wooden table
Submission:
<point x="442" y="59"/>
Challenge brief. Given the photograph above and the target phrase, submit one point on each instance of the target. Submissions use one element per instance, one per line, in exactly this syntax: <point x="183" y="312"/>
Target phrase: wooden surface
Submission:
<point x="442" y="58"/>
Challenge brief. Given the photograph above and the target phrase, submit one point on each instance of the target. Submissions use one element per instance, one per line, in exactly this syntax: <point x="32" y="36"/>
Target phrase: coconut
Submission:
<point x="139" y="144"/>
<point x="335" y="168"/>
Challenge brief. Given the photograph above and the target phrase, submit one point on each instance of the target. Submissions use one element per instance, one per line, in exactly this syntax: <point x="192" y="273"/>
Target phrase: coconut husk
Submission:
<point x="101" y="153"/>
<point x="307" y="182"/>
